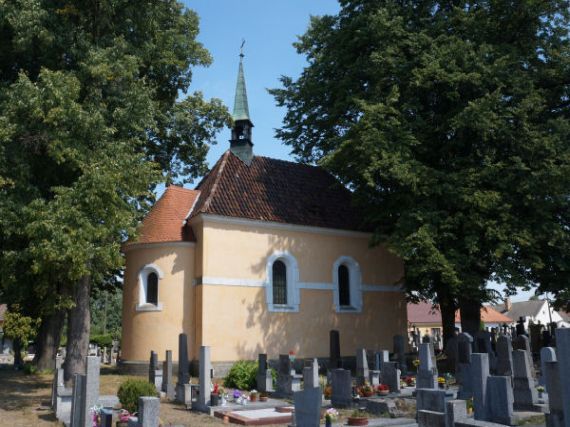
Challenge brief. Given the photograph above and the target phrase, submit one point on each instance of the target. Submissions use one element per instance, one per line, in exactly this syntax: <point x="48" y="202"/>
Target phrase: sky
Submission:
<point x="269" y="28"/>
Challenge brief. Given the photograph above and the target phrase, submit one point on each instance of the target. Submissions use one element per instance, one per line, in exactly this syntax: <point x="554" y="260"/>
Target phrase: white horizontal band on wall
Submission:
<point x="252" y="283"/>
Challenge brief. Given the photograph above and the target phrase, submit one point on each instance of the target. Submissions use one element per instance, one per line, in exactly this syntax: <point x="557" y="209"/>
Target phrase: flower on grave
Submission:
<point x="292" y="355"/>
<point x="124" y="416"/>
<point x="218" y="389"/>
<point x="382" y="387"/>
<point x="416" y="362"/>
<point x="236" y="394"/>
<point x="540" y="389"/>
<point x="331" y="414"/>
<point x="96" y="411"/>
<point x="441" y="380"/>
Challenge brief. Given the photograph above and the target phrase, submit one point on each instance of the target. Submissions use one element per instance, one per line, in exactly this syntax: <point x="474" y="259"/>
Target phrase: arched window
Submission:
<point x="343" y="286"/>
<point x="347" y="285"/>
<point x="152" y="288"/>
<point x="149" y="283"/>
<point x="279" y="283"/>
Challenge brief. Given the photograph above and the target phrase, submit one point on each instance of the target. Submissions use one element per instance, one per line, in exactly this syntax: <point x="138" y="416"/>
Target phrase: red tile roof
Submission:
<point x="165" y="221"/>
<point x="276" y="190"/>
<point x="424" y="312"/>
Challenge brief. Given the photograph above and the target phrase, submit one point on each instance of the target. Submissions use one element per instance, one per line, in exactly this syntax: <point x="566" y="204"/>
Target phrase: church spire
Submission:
<point x="241" y="144"/>
<point x="241" y="108"/>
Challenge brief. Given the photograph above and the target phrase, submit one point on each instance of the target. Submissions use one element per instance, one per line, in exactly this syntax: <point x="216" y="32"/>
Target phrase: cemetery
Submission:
<point x="411" y="168"/>
<point x="493" y="381"/>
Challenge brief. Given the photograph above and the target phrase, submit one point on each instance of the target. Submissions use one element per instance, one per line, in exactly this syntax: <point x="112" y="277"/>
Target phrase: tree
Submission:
<point x="89" y="121"/>
<point x="449" y="121"/>
<point x="20" y="329"/>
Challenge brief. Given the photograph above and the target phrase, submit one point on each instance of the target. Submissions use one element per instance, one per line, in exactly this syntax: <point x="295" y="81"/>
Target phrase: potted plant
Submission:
<point x="540" y="390"/>
<point x="292" y="355"/>
<point x="263" y="397"/>
<point x="382" y="390"/>
<point x="327" y="391"/>
<point x="253" y="395"/>
<point x="416" y="363"/>
<point x="217" y="392"/>
<point x="358" y="418"/>
<point x="331" y="415"/>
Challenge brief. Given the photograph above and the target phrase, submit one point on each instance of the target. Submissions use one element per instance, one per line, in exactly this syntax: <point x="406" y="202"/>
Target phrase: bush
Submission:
<point x="130" y="391"/>
<point x="242" y="375"/>
<point x="30" y="369"/>
<point x="102" y="340"/>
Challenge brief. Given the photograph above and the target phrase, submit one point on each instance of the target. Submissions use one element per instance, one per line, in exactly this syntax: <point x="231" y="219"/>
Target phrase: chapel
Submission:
<point x="263" y="256"/>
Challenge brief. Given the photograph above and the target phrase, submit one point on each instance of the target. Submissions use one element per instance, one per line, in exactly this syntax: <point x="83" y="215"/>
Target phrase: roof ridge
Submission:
<point x="208" y="200"/>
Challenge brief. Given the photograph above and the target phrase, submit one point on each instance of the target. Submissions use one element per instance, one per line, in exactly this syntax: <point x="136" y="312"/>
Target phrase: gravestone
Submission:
<point x="391" y="376"/>
<point x="520" y="328"/>
<point x="500" y="400"/>
<point x="311" y="375"/>
<point x="61" y="396"/>
<point x="483" y="345"/>
<point x="341" y="388"/>
<point x="287" y="380"/>
<point x="362" y="372"/>
<point x="504" y="356"/>
<point x="308" y="407"/>
<point x="400" y="353"/>
<point x="183" y="370"/>
<point x="563" y="357"/>
<point x="264" y="378"/>
<point x="427" y="371"/>
<point x="426" y="339"/>
<point x="167" y="383"/>
<point x="555" y="415"/>
<point x="379" y="358"/>
<point x="525" y="396"/>
<point x="547" y="354"/>
<point x="451" y="353"/>
<point x="205" y="388"/>
<point x="522" y="342"/>
<point x="431" y="410"/>
<point x="154" y="374"/>
<point x="149" y="411"/>
<point x="463" y="374"/>
<point x="334" y="355"/>
<point x="86" y="394"/>
<point x="479" y="376"/>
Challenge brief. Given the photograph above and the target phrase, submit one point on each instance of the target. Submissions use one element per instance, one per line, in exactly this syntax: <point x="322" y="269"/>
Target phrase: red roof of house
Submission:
<point x="424" y="312"/>
<point x="165" y="221"/>
<point x="276" y="190"/>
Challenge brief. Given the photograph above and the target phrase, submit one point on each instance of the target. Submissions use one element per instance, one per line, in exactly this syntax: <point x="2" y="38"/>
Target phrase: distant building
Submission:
<point x="424" y="319"/>
<point x="533" y="311"/>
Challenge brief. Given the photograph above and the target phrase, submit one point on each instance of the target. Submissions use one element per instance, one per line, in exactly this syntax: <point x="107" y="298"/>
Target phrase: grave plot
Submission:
<point x="257" y="417"/>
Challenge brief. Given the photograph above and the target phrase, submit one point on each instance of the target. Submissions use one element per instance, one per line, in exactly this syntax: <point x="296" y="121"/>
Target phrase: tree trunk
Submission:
<point x="48" y="340"/>
<point x="470" y="315"/>
<point x="78" y="329"/>
<point x="447" y="307"/>
<point x="18" y="361"/>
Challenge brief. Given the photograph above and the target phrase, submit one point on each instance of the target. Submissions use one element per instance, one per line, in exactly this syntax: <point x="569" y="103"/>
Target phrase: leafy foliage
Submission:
<point x="242" y="375"/>
<point x="449" y="120"/>
<point x="130" y="391"/>
<point x="19" y="327"/>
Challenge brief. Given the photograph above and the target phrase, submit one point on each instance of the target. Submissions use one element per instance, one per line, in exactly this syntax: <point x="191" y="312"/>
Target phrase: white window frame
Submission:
<point x="355" y="279"/>
<point x="143" y="279"/>
<point x="292" y="268"/>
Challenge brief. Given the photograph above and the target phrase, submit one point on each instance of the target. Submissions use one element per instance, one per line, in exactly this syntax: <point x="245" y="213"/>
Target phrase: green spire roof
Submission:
<point x="241" y="109"/>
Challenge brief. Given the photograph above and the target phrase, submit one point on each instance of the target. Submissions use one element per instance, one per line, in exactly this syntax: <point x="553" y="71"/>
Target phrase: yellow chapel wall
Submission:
<point x="144" y="331"/>
<point x="235" y="320"/>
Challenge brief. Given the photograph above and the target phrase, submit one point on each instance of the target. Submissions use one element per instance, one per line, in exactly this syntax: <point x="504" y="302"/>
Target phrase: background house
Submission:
<point x="533" y="311"/>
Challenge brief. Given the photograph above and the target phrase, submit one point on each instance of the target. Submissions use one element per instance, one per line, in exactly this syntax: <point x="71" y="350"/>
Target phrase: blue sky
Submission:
<point x="269" y="28"/>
